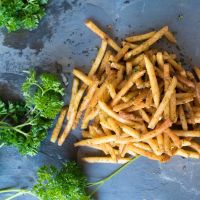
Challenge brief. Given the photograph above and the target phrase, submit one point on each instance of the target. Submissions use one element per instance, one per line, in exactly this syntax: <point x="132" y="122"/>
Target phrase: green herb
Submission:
<point x="67" y="184"/>
<point x="25" y="125"/>
<point x="180" y="17"/>
<point x="21" y="14"/>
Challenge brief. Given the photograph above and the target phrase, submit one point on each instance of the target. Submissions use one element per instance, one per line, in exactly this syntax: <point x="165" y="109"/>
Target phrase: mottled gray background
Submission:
<point x="62" y="42"/>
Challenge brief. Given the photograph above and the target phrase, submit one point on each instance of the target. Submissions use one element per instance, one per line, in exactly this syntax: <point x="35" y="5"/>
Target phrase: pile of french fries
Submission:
<point x="135" y="100"/>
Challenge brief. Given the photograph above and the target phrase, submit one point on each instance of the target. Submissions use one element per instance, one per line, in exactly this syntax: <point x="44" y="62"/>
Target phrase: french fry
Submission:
<point x="105" y="160"/>
<point x="195" y="146"/>
<point x="160" y="60"/>
<point x="153" y="81"/>
<point x="111" y="90"/>
<point x="58" y="125"/>
<point x="172" y="107"/>
<point x="182" y="118"/>
<point x="160" y="140"/>
<point x="197" y="71"/>
<point x="170" y="37"/>
<point x="126" y="87"/>
<point x="73" y="94"/>
<point x="98" y="58"/>
<point x="174" y="138"/>
<point x="114" y="126"/>
<point x="102" y="35"/>
<point x="135" y="61"/>
<point x="130" y="131"/>
<point x="163" y="103"/>
<point x="116" y="65"/>
<point x="184" y="100"/>
<point x="185" y="81"/>
<point x="143" y="145"/>
<point x="160" y="129"/>
<point x="130" y="96"/>
<point x="128" y="68"/>
<point x="154" y="146"/>
<point x="131" y="45"/>
<point x="80" y="75"/>
<point x="187" y="154"/>
<point x="121" y="53"/>
<point x="182" y="133"/>
<point x="105" y="62"/>
<point x="144" y="115"/>
<point x="144" y="46"/>
<point x="129" y="116"/>
<point x="167" y="145"/>
<point x="141" y="37"/>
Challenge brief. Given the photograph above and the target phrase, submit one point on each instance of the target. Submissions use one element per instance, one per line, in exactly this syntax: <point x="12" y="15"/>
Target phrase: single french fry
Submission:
<point x="93" y="27"/>
<point x="121" y="53"/>
<point x="129" y="116"/>
<point x="167" y="145"/>
<point x="145" y="45"/>
<point x="116" y="65"/>
<point x="184" y="100"/>
<point x="123" y="106"/>
<point x="111" y="90"/>
<point x="163" y="103"/>
<point x="153" y="81"/>
<point x="182" y="133"/>
<point x="59" y="124"/>
<point x="86" y="134"/>
<point x="182" y="118"/>
<point x="136" y="61"/>
<point x="126" y="87"/>
<point x="170" y="37"/>
<point x="172" y="107"/>
<point x="159" y="130"/>
<point x="174" y="138"/>
<point x="98" y="58"/>
<point x="160" y="60"/>
<point x="140" y="106"/>
<point x="128" y="68"/>
<point x="143" y="145"/>
<point x="184" y="95"/>
<point x="73" y="94"/>
<point x="197" y="71"/>
<point x="131" y="45"/>
<point x="160" y="140"/>
<point x="105" y="160"/>
<point x="130" y="96"/>
<point x="114" y="126"/>
<point x="185" y="81"/>
<point x="187" y="154"/>
<point x="150" y="155"/>
<point x="144" y="115"/>
<point x="130" y="131"/>
<point x="141" y="37"/>
<point x="195" y="146"/>
<point x="105" y="62"/>
<point x="80" y="75"/>
<point x="154" y="146"/>
<point x="111" y="151"/>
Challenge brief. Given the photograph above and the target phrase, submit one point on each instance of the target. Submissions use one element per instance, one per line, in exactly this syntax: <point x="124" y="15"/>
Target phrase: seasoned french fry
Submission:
<point x="114" y="126"/>
<point x="160" y="140"/>
<point x="195" y="146"/>
<point x="135" y="61"/>
<point x="187" y="154"/>
<point x="105" y="160"/>
<point x="186" y="81"/>
<point x="59" y="124"/>
<point x="143" y="145"/>
<point x="144" y="46"/>
<point x="111" y="90"/>
<point x="182" y="118"/>
<point x="174" y="138"/>
<point x="153" y="81"/>
<point x="151" y="134"/>
<point x="167" y="145"/>
<point x="182" y="133"/>
<point x="163" y="103"/>
<point x="130" y="131"/>
<point x="172" y="107"/>
<point x="121" y="53"/>
<point x="170" y="37"/>
<point x="144" y="115"/>
<point x="80" y="75"/>
<point x="105" y="62"/>
<point x="160" y="60"/>
<point x="93" y="27"/>
<point x="154" y="146"/>
<point x="74" y="91"/>
<point x="131" y="45"/>
<point x="127" y="86"/>
<point x="128" y="68"/>
<point x="141" y="37"/>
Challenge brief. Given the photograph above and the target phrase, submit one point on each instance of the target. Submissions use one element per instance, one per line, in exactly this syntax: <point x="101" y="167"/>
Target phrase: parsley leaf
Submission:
<point x="21" y="14"/>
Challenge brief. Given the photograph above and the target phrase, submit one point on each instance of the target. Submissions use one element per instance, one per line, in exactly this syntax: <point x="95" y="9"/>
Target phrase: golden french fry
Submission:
<point x="172" y="107"/>
<point x="184" y="100"/>
<point x="130" y="131"/>
<point x="197" y="71"/>
<point x="195" y="146"/>
<point x="73" y="94"/>
<point x="105" y="63"/>
<point x="136" y="61"/>
<point x="185" y="81"/>
<point x="182" y="118"/>
<point x="182" y="133"/>
<point x="105" y="160"/>
<point x="59" y="124"/>
<point x="129" y="68"/>
<point x="174" y="138"/>
<point x="154" y="146"/>
<point x="93" y="27"/>
<point x="144" y="115"/>
<point x="145" y="45"/>
<point x="163" y="103"/>
<point x="160" y="60"/>
<point x="141" y="37"/>
<point x="80" y="75"/>
<point x="159" y="130"/>
<point x="187" y="154"/>
<point x="170" y="37"/>
<point x="131" y="45"/>
<point x="160" y="140"/>
<point x="121" y="53"/>
<point x="111" y="90"/>
<point x="114" y="126"/>
<point x="98" y="58"/>
<point x="167" y="145"/>
<point x="126" y="87"/>
<point x="153" y="81"/>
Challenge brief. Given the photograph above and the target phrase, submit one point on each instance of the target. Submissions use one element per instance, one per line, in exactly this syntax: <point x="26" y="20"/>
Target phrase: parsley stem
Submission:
<point x="102" y="181"/>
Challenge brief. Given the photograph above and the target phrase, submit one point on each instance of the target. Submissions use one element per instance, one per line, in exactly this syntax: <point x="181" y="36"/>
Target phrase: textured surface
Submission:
<point x="62" y="42"/>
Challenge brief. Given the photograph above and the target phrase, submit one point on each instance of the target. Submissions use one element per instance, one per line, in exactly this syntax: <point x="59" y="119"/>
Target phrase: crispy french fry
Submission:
<point x="136" y="61"/>
<point x="80" y="75"/>
<point x="182" y="118"/>
<point x="131" y="45"/>
<point x="187" y="154"/>
<point x="114" y="126"/>
<point x="113" y="114"/>
<point x="174" y="138"/>
<point x="154" y="146"/>
<point x="144" y="115"/>
<point x="141" y="37"/>
<point x="185" y="81"/>
<point x="143" y="145"/>
<point x="130" y="131"/>
<point x="128" y="68"/>
<point x="182" y="133"/>
<point x="170" y="37"/>
<point x="163" y="103"/>
<point x="197" y="71"/>
<point x="144" y="46"/>
<point x="172" y="107"/>
<point x="195" y="146"/>
<point x="159" y="130"/>
<point x="153" y="81"/>
<point x="74" y="91"/>
<point x="105" y="63"/>
<point x="93" y="27"/>
<point x="160" y="140"/>
<point x="59" y="124"/>
<point x="105" y="160"/>
<point x="167" y="145"/>
<point x="160" y="60"/>
<point x="184" y="100"/>
<point x="111" y="90"/>
<point x="121" y="53"/>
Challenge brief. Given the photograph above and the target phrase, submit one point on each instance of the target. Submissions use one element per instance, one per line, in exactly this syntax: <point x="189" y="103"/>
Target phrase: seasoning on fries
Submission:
<point x="135" y="100"/>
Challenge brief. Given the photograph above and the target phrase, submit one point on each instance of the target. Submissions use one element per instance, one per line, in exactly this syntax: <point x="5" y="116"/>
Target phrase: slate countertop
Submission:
<point x="62" y="42"/>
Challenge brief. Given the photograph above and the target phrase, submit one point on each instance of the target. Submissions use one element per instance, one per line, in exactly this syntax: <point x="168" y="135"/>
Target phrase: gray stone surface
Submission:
<point x="62" y="42"/>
